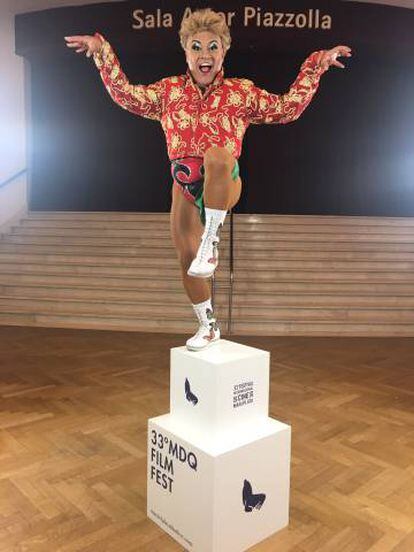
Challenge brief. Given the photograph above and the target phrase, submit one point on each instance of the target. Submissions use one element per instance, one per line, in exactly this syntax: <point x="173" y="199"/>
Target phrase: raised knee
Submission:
<point x="216" y="158"/>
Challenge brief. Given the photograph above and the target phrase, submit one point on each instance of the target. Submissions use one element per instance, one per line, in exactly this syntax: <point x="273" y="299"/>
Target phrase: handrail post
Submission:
<point x="231" y="276"/>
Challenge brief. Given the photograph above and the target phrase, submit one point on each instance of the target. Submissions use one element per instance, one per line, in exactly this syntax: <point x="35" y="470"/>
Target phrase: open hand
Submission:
<point x="84" y="43"/>
<point x="329" y="57"/>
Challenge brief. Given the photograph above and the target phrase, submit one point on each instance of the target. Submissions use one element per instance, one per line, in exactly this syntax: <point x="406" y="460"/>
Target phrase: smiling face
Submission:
<point x="205" y="55"/>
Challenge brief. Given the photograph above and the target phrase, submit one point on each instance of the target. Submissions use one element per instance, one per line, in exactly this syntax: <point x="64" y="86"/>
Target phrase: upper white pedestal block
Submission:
<point x="225" y="387"/>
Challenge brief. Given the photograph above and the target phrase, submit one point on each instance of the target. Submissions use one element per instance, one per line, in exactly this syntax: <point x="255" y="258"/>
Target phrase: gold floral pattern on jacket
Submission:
<point x="194" y="121"/>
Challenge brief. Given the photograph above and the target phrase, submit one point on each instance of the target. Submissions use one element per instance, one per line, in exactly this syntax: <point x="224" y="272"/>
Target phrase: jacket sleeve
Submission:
<point x="144" y="100"/>
<point x="265" y="107"/>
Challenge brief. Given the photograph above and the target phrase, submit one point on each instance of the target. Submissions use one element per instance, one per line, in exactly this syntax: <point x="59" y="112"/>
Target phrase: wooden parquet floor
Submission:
<point x="74" y="408"/>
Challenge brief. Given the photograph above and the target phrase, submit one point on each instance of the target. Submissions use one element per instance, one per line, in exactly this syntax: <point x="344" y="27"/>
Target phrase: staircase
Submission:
<point x="293" y="275"/>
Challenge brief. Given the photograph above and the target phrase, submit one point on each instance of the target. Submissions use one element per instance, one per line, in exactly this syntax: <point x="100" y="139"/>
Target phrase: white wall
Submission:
<point x="13" y="203"/>
<point x="12" y="119"/>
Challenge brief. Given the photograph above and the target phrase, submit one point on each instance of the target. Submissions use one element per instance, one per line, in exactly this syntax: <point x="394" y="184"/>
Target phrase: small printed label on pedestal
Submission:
<point x="243" y="394"/>
<point x="164" y="452"/>
<point x="189" y="395"/>
<point x="170" y="526"/>
<point x="251" y="500"/>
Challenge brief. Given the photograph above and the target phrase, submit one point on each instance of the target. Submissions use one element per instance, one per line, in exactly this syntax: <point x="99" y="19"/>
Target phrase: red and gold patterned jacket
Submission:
<point x="194" y="121"/>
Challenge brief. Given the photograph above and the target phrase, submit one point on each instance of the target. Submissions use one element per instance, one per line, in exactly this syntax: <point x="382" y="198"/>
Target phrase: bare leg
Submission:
<point x="186" y="231"/>
<point x="221" y="193"/>
<point x="220" y="190"/>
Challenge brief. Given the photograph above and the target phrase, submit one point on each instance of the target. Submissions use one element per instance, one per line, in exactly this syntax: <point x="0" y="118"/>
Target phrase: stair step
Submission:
<point x="104" y="216"/>
<point x="322" y="276"/>
<point x="242" y="229"/>
<point x="257" y="300"/>
<point x="181" y="312"/>
<point x="129" y="254"/>
<point x="101" y="294"/>
<point x="98" y="240"/>
<point x="128" y="275"/>
<point x="167" y="271"/>
<point x="323" y="314"/>
<point x="91" y="260"/>
<point x="151" y="265"/>
<point x="294" y="275"/>
<point x="99" y="323"/>
<point x="318" y="288"/>
<point x="96" y="233"/>
<point x="95" y="281"/>
<point x="88" y="250"/>
<point x="295" y="300"/>
<point x="141" y="225"/>
<point x="327" y="329"/>
<point x="275" y="235"/>
<point x="98" y="309"/>
<point x="305" y="264"/>
<point x="98" y="215"/>
<point x="167" y="254"/>
<point x="138" y="245"/>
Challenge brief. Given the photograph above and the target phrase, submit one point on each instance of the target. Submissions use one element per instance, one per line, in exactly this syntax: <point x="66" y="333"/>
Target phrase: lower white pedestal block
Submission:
<point x="221" y="494"/>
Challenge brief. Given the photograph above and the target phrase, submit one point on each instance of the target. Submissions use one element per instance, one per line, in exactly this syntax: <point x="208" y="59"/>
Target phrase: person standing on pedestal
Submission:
<point x="204" y="117"/>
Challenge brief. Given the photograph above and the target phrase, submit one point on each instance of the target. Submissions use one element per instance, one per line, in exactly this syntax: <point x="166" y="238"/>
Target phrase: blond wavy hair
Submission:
<point x="205" y="20"/>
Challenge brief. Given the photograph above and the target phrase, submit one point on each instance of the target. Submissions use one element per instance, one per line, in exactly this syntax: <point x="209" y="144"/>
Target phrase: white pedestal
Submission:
<point x="218" y="466"/>
<point x="230" y="382"/>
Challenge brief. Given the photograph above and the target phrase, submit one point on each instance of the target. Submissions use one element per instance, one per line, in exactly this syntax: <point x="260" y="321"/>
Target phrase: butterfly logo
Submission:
<point x="188" y="393"/>
<point x="251" y="500"/>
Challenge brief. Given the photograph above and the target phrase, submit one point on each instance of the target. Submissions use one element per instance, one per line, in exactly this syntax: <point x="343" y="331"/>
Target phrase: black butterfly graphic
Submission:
<point x="251" y="500"/>
<point x="188" y="394"/>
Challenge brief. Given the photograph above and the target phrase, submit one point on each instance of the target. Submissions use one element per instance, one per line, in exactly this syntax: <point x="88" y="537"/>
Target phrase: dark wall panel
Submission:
<point x="351" y="152"/>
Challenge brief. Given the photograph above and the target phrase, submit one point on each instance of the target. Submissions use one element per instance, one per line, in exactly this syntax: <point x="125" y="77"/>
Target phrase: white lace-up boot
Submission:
<point x="206" y="260"/>
<point x="208" y="331"/>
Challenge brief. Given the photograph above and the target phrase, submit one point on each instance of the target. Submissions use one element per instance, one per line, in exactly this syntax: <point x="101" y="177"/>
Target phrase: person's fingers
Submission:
<point x="76" y="38"/>
<point x="345" y="51"/>
<point x="75" y="45"/>
<point x="80" y="50"/>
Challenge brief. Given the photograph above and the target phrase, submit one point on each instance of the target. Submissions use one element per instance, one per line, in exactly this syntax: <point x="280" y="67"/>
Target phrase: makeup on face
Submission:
<point x="205" y="57"/>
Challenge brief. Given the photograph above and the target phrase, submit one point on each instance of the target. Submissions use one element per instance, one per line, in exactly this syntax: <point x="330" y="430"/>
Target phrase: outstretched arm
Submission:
<point x="144" y="100"/>
<point x="265" y="107"/>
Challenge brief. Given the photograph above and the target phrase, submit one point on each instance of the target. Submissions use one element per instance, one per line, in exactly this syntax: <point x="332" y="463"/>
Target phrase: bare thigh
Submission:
<point x="185" y="224"/>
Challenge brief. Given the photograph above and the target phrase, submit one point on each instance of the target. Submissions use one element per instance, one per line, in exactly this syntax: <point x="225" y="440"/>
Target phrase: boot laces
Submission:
<point x="207" y="241"/>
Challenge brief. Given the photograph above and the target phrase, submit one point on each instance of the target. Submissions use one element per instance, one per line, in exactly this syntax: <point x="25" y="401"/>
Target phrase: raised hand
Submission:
<point x="329" y="57"/>
<point x="84" y="43"/>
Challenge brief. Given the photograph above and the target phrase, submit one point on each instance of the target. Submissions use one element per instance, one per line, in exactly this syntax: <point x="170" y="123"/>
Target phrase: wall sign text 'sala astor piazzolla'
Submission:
<point x="247" y="16"/>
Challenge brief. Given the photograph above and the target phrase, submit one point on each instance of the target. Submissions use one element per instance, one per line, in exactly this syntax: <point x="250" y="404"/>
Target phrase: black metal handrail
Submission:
<point x="231" y="276"/>
<point x="5" y="182"/>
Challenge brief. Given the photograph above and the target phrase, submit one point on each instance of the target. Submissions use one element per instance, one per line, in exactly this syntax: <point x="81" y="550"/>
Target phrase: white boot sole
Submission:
<point x="200" y="274"/>
<point x="195" y="349"/>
